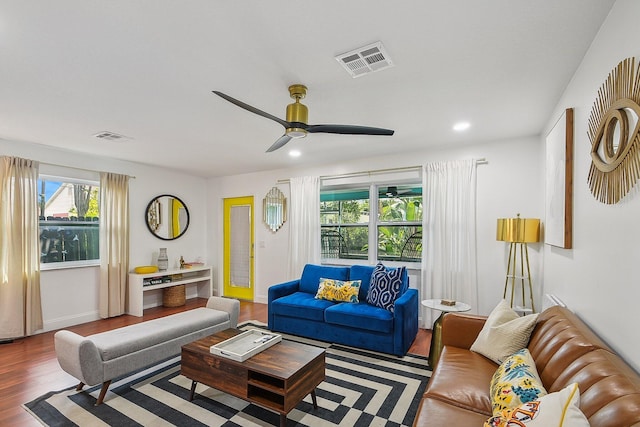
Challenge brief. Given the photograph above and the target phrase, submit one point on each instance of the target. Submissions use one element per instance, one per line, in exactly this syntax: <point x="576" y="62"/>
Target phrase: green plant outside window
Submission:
<point x="346" y="219"/>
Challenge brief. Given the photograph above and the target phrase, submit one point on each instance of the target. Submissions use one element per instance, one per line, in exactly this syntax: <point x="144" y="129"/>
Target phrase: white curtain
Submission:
<point x="449" y="235"/>
<point x="20" y="303"/>
<point x="304" y="224"/>
<point x="114" y="243"/>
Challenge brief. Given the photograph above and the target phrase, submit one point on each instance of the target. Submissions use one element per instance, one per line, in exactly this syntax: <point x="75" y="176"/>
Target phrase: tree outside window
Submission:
<point x="399" y="223"/>
<point x="346" y="221"/>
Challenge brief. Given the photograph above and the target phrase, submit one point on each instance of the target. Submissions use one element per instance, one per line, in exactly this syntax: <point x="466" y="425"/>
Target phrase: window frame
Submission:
<point x="373" y="224"/>
<point x="60" y="265"/>
<point x="379" y="223"/>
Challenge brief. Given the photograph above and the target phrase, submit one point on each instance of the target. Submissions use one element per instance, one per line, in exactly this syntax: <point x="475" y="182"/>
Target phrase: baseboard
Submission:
<point x="66" y="321"/>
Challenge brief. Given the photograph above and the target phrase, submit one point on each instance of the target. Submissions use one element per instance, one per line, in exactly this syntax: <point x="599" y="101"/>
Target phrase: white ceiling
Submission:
<point x="146" y="68"/>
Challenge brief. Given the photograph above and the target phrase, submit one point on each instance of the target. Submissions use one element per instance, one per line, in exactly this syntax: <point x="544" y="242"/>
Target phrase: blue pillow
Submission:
<point x="385" y="287"/>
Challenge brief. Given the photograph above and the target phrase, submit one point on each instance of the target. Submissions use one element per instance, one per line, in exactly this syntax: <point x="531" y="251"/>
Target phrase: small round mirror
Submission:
<point x="167" y="217"/>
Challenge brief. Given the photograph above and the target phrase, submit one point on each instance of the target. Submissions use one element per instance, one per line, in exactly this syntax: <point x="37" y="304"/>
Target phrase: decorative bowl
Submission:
<point x="146" y="269"/>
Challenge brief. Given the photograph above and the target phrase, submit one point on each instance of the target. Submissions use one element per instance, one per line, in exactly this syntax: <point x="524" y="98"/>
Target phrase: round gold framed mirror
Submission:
<point x="167" y="217"/>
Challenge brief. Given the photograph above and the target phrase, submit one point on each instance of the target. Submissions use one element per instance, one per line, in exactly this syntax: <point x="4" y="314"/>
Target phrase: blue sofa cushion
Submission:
<point x="310" y="279"/>
<point x="386" y="286"/>
<point x="362" y="273"/>
<point x="360" y="316"/>
<point x="301" y="305"/>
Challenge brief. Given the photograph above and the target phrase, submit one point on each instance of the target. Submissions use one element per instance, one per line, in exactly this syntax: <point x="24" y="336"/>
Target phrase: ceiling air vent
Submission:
<point x="365" y="60"/>
<point x="109" y="136"/>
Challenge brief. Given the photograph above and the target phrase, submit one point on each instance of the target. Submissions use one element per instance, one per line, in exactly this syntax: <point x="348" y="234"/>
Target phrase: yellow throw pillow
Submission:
<point x="504" y="333"/>
<point x="338" y="290"/>
<point x="516" y="381"/>
<point x="561" y="409"/>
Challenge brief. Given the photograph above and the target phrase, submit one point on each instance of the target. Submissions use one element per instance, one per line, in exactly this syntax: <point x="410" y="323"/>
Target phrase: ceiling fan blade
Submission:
<point x="279" y="143"/>
<point x="252" y="109"/>
<point x="348" y="130"/>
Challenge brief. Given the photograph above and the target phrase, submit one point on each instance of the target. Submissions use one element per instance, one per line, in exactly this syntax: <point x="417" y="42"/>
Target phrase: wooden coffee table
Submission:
<point x="277" y="378"/>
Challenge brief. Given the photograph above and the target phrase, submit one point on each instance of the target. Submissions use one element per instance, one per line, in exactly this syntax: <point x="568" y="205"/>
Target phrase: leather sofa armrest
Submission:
<point x="461" y="330"/>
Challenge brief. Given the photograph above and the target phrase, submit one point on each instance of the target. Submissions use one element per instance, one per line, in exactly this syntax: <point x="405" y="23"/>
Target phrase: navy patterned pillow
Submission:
<point x="385" y="287"/>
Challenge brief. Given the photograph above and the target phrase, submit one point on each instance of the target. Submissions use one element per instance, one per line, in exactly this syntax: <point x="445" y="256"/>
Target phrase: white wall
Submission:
<point x="599" y="278"/>
<point x="70" y="296"/>
<point x="508" y="184"/>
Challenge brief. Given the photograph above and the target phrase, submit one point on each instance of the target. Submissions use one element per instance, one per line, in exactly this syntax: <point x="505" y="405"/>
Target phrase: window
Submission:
<point x="69" y="223"/>
<point x="388" y="218"/>
<point x="399" y="223"/>
<point x="344" y="222"/>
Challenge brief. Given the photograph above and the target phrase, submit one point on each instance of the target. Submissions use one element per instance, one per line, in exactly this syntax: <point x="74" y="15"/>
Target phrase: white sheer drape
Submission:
<point x="449" y="235"/>
<point x="20" y="303"/>
<point x="304" y="224"/>
<point x="114" y="243"/>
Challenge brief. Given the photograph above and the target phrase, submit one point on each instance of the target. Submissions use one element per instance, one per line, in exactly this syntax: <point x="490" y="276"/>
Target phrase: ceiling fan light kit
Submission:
<point x="296" y="133"/>
<point x="297" y="117"/>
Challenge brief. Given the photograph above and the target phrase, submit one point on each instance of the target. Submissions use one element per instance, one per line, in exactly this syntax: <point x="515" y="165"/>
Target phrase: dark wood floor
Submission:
<point x="29" y="368"/>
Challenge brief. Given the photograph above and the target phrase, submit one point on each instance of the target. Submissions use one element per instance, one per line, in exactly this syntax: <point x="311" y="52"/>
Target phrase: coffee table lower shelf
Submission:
<point x="277" y="378"/>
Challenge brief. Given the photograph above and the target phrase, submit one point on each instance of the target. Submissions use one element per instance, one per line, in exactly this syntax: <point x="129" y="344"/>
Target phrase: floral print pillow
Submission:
<point x="338" y="290"/>
<point x="516" y="381"/>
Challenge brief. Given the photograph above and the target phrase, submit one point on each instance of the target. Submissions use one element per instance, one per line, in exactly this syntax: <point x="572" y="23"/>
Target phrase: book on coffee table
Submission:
<point x="247" y="344"/>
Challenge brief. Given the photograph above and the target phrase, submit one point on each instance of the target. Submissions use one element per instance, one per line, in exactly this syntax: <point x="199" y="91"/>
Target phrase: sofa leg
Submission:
<point x="79" y="387"/>
<point x="103" y="392"/>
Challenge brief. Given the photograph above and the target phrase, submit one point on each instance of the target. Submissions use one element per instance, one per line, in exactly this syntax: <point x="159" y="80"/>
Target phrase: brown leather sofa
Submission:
<point x="565" y="351"/>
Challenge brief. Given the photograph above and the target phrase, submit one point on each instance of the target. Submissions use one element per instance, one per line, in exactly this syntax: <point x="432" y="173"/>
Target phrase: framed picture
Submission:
<point x="559" y="182"/>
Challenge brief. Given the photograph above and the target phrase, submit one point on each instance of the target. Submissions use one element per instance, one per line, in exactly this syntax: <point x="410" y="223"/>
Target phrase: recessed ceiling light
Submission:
<point x="295" y="153"/>
<point x="461" y="126"/>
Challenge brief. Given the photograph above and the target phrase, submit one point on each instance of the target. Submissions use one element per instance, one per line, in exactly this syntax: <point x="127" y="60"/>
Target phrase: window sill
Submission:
<point x="69" y="264"/>
<point x="389" y="263"/>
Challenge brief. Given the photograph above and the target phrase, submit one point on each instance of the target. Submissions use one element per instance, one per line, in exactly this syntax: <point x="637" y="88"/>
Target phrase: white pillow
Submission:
<point x="504" y="333"/>
<point x="561" y="409"/>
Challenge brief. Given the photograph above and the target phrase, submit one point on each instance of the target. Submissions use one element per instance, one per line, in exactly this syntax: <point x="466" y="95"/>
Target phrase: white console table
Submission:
<point x="196" y="276"/>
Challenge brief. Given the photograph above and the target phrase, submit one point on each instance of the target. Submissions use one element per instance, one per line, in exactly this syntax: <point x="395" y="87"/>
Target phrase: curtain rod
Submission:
<point x="481" y="161"/>
<point x="80" y="169"/>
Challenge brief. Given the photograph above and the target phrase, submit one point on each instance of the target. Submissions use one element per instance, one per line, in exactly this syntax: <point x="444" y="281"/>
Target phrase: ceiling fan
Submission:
<point x="392" y="191"/>
<point x="297" y="115"/>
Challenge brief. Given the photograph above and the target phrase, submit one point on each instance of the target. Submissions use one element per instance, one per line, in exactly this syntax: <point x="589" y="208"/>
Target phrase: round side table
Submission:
<point x="436" y="336"/>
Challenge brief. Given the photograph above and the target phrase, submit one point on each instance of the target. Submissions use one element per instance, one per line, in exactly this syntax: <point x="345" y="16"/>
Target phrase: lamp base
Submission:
<point x="519" y="253"/>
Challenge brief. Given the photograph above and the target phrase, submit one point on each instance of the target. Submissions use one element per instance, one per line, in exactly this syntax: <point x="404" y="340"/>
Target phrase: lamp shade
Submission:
<point x="518" y="230"/>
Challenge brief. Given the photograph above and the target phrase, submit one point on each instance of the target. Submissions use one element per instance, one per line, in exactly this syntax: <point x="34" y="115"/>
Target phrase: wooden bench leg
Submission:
<point x="314" y="399"/>
<point x="79" y="387"/>
<point x="103" y="392"/>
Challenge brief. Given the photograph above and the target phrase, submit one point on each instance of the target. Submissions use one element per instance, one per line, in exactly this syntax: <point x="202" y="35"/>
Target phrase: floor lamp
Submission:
<point x="518" y="232"/>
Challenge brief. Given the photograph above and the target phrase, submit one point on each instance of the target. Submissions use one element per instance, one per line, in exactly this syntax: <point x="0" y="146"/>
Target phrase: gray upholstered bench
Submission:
<point x="99" y="358"/>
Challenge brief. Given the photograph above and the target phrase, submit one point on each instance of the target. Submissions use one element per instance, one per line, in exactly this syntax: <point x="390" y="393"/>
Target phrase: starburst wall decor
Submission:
<point x="614" y="132"/>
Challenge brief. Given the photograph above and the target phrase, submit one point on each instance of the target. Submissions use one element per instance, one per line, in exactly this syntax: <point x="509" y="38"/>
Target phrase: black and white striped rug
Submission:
<point x="362" y="388"/>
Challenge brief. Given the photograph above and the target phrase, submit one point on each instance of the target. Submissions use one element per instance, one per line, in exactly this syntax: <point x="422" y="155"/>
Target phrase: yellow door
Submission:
<point x="238" y="248"/>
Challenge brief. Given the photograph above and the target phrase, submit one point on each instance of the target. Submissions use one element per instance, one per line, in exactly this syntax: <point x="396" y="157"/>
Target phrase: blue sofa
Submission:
<point x="294" y="309"/>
